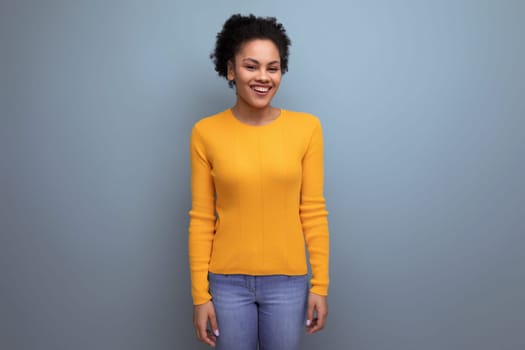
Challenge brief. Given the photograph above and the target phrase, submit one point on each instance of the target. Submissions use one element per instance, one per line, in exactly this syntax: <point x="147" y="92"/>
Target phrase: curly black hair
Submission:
<point x="239" y="29"/>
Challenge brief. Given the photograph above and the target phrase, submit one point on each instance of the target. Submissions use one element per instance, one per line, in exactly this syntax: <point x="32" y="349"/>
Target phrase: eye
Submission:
<point x="250" y="67"/>
<point x="273" y="69"/>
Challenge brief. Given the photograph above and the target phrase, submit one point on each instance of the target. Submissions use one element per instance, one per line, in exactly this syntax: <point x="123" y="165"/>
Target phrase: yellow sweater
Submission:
<point x="257" y="197"/>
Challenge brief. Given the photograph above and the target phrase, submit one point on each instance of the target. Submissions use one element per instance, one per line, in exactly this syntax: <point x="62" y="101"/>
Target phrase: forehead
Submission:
<point x="259" y="49"/>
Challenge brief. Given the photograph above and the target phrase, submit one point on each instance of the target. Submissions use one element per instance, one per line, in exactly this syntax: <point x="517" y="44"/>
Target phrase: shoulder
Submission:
<point x="210" y="122"/>
<point x="211" y="126"/>
<point x="302" y="119"/>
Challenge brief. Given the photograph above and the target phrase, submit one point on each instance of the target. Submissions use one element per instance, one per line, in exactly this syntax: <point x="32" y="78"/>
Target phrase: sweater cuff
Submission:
<point x="200" y="287"/>
<point x="319" y="290"/>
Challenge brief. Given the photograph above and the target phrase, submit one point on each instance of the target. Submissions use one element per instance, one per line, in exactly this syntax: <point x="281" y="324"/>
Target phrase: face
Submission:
<point x="256" y="70"/>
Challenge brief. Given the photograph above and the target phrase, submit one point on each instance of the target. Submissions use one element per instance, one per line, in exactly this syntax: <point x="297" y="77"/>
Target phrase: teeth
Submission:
<point x="261" y="89"/>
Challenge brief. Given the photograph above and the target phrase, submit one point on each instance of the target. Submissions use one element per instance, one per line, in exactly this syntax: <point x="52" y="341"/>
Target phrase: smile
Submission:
<point x="261" y="89"/>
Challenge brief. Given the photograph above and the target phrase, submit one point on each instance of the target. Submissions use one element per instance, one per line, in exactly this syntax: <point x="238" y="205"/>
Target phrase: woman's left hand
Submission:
<point x="316" y="313"/>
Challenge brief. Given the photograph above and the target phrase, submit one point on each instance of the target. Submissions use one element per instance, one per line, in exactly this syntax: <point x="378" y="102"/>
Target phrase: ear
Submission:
<point x="231" y="71"/>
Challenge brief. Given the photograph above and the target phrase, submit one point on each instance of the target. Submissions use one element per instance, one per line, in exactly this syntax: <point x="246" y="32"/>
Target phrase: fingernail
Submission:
<point x="216" y="332"/>
<point x="308" y="323"/>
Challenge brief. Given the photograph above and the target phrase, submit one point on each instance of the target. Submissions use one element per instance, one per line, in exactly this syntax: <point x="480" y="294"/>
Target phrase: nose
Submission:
<point x="263" y="75"/>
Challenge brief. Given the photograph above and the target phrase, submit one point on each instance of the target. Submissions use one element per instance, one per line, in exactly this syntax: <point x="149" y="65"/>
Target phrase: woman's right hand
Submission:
<point x="201" y="315"/>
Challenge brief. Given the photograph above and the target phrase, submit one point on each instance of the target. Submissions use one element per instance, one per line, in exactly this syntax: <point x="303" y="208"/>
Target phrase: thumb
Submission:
<point x="213" y="324"/>
<point x="309" y="314"/>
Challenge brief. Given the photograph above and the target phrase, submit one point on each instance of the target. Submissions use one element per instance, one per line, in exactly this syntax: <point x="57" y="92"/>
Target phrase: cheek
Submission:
<point x="242" y="77"/>
<point x="277" y="81"/>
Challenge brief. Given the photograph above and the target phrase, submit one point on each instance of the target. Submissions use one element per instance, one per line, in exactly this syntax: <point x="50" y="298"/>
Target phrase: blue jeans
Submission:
<point x="265" y="310"/>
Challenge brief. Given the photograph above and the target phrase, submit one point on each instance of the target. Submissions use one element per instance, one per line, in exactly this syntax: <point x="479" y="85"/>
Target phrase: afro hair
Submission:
<point x="239" y="29"/>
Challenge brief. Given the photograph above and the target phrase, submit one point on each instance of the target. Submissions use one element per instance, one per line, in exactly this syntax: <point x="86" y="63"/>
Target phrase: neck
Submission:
<point x="254" y="116"/>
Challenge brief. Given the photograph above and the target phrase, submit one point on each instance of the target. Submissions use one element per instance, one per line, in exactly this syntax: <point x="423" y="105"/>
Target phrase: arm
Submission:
<point x="315" y="227"/>
<point x="201" y="233"/>
<point x="202" y="218"/>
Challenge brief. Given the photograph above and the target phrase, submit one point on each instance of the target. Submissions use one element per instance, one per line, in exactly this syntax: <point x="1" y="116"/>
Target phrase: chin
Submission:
<point x="260" y="105"/>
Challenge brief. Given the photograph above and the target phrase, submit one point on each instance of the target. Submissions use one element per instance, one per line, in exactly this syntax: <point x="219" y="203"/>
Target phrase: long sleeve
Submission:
<point x="313" y="212"/>
<point x="202" y="218"/>
<point x="257" y="197"/>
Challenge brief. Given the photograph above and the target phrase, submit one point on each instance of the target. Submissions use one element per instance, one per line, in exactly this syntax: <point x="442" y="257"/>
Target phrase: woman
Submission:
<point x="257" y="198"/>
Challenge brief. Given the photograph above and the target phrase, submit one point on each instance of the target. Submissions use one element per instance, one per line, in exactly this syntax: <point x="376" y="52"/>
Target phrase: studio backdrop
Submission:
<point x="423" y="112"/>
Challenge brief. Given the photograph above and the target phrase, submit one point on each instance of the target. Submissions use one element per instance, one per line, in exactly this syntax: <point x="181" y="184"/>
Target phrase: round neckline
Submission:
<point x="251" y="126"/>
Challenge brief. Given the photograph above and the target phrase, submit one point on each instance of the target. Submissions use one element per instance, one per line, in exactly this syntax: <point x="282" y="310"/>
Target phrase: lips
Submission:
<point x="261" y="89"/>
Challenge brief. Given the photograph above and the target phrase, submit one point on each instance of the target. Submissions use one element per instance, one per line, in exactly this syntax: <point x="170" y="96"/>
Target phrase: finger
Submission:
<point x="210" y="338"/>
<point x="319" y="324"/>
<point x="320" y="321"/>
<point x="315" y="327"/>
<point x="322" y="313"/>
<point x="310" y="314"/>
<point x="202" y="333"/>
<point x="213" y="324"/>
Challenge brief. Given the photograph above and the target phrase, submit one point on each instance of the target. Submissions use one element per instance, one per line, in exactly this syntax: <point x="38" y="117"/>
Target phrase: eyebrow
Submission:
<point x="257" y="62"/>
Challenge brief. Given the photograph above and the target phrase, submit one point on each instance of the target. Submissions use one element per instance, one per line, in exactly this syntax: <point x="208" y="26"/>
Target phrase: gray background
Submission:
<point x="423" y="107"/>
